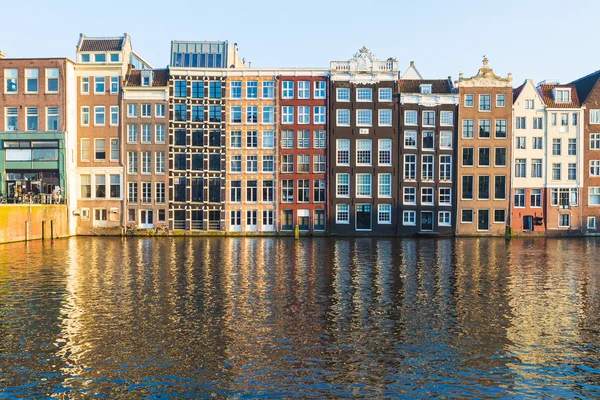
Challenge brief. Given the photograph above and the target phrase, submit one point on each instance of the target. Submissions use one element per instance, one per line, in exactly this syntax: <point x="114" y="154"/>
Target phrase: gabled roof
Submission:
<point x="134" y="78"/>
<point x="585" y="85"/>
<point x="102" y="44"/>
<point x="517" y="92"/>
<point x="545" y="92"/>
<point x="412" y="72"/>
<point x="413" y="85"/>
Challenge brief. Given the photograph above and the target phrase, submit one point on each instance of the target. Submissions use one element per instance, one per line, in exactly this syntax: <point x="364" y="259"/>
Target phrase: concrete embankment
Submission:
<point x="20" y="222"/>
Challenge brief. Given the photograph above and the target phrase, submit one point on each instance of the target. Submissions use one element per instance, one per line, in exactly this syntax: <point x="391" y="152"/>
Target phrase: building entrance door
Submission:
<point x="427" y="221"/>
<point x="146" y="219"/>
<point x="363" y="217"/>
<point x="483" y="220"/>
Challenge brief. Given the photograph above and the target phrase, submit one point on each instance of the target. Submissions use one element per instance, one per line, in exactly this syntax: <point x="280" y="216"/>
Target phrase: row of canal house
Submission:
<point x="210" y="144"/>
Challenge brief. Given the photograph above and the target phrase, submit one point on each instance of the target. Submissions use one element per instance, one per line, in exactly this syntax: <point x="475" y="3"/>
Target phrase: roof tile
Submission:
<point x="413" y="85"/>
<point x="546" y="94"/>
<point x="102" y="44"/>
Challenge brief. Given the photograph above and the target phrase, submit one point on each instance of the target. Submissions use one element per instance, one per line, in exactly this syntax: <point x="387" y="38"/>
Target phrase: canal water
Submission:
<point x="268" y="317"/>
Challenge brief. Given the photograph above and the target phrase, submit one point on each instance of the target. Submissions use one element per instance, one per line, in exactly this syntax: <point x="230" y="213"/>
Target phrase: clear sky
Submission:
<point x="550" y="39"/>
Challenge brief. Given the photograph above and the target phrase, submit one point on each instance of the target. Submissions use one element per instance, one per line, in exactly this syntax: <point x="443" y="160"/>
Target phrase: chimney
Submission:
<point x="412" y="63"/>
<point x="2" y="55"/>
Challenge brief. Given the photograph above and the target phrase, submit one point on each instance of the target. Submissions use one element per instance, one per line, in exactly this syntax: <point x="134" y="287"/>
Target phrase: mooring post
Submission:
<point x="52" y="229"/>
<point x="43" y="230"/>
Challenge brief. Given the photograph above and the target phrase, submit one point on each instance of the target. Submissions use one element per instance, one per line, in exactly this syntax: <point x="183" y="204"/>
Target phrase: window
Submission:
<point x="235" y="164"/>
<point x="484" y="156"/>
<point x="500" y="187"/>
<point x="132" y="192"/>
<point x="363" y="185"/>
<point x="235" y="92"/>
<point x="146" y="133"/>
<point x="114" y="115"/>
<point x="485" y="102"/>
<point x="409" y="218"/>
<point x="32" y="118"/>
<point x="287" y="191"/>
<point x="537" y="143"/>
<point x="429" y="118"/>
<point x="572" y="171"/>
<point x="594" y="116"/>
<point x="236" y="115"/>
<point x="214" y="90"/>
<point x="536" y="168"/>
<point x="320" y="139"/>
<point x="410" y="167"/>
<point x="319" y="115"/>
<point x="252" y="163"/>
<point x="384" y="214"/>
<point x="572" y="147"/>
<point x="288" y="89"/>
<point x="520" y="168"/>
<point x="445" y="167"/>
<point x="268" y="191"/>
<point x="319" y="191"/>
<point x="594" y="167"/>
<point x="85" y="149"/>
<point x="252" y="115"/>
<point x="364" y="94"/>
<point x="484" y="187"/>
<point x="500" y="157"/>
<point x="446" y="140"/>
<point x="198" y="162"/>
<point x="214" y="113"/>
<point x="445" y="196"/>
<point x="287" y="115"/>
<point x="342" y="213"/>
<point x="553" y="119"/>
<point x="591" y="222"/>
<point x="287" y="139"/>
<point x="99" y="58"/>
<point x="236" y="139"/>
<point x="467" y="187"/>
<point x="536" y="198"/>
<point x="484" y="128"/>
<point x="427" y="168"/>
<point x="320" y="90"/>
<point x="342" y="185"/>
<point x="468" y="157"/>
<point x="132" y="133"/>
<point x="197" y="90"/>
<point x="12" y="118"/>
<point x="468" y="100"/>
<point x="86" y="186"/>
<point x="159" y="162"/>
<point x="114" y="84"/>
<point x="304" y="90"/>
<point x="99" y="85"/>
<point x="556" y="147"/>
<point x="180" y="89"/>
<point x="146" y="162"/>
<point x="444" y="218"/>
<point x="520" y="123"/>
<point x="499" y="216"/>
<point x="427" y="195"/>
<point x="501" y="100"/>
<point x="564" y="122"/>
<point x="343" y="151"/>
<point x="385" y="94"/>
<point x="468" y="129"/>
<point x="132" y="111"/>
<point x="519" y="198"/>
<point x="538" y="123"/>
<point x="52" y="118"/>
<point x="268" y="139"/>
<point x="343" y="94"/>
<point x="287" y="164"/>
<point x="100" y="149"/>
<point x="425" y="89"/>
<point x="385" y="117"/>
<point x="268" y="115"/>
<point x="594" y="196"/>
<point x="303" y="163"/>
<point x="114" y="149"/>
<point x="303" y="115"/>
<point x="556" y="171"/>
<point x="428" y="140"/>
<point x="564" y="220"/>
<point x="236" y="191"/>
<point x="410" y="195"/>
<point x="529" y="104"/>
<point x="197" y="113"/>
<point x="51" y="80"/>
<point x="364" y="117"/>
<point x="303" y="190"/>
<point x="466" y="216"/>
<point x="180" y="161"/>
<point x="595" y="140"/>
<point x="410" y="139"/>
<point x="363" y="152"/>
<point x="319" y="165"/>
<point x="252" y="139"/>
<point x="11" y="80"/>
<point x="562" y="95"/>
<point x="31" y="80"/>
<point x="385" y="185"/>
<point x="410" y="117"/>
<point x="447" y="118"/>
<point x="385" y="151"/>
<point x="252" y="191"/>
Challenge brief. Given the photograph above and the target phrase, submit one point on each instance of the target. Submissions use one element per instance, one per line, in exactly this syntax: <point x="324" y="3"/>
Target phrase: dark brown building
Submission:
<point x="427" y="121"/>
<point x="363" y="143"/>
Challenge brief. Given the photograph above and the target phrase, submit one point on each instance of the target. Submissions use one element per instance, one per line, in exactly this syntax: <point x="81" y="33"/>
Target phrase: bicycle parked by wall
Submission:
<point x="3" y="199"/>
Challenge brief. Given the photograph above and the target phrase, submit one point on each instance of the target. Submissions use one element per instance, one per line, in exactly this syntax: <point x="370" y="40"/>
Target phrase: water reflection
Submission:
<point x="234" y="317"/>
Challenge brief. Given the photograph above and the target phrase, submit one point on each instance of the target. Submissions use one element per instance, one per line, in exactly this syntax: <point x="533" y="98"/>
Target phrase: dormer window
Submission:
<point x="85" y="58"/>
<point x="114" y="57"/>
<point x="146" y="78"/>
<point x="425" y="88"/>
<point x="562" y="95"/>
<point x="100" y="57"/>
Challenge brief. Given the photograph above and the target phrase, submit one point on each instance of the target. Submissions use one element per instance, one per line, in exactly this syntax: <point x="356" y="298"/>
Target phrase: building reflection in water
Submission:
<point x="361" y="317"/>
